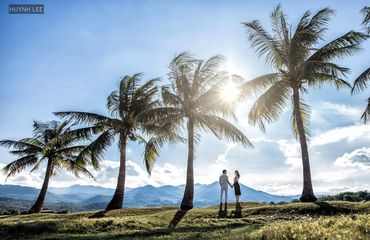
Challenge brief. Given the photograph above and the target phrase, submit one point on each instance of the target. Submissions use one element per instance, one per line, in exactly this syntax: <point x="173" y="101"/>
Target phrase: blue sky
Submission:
<point x="72" y="57"/>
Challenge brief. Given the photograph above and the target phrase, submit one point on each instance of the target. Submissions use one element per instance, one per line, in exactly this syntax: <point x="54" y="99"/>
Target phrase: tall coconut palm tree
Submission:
<point x="125" y="106"/>
<point x="300" y="64"/>
<point x="54" y="142"/>
<point x="362" y="81"/>
<point x="192" y="100"/>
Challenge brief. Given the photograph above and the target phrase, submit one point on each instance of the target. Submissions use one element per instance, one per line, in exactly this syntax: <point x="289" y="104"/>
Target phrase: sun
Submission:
<point x="230" y="92"/>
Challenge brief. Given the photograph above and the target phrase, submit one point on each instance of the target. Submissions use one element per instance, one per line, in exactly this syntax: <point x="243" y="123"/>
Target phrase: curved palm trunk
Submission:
<point x="37" y="206"/>
<point x="187" y="201"/>
<point x="117" y="200"/>
<point x="307" y="192"/>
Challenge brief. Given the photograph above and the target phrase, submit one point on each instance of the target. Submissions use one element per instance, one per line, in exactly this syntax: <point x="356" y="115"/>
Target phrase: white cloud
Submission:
<point x="344" y="110"/>
<point x="291" y="150"/>
<point x="359" y="158"/>
<point x="349" y="133"/>
<point x="23" y="178"/>
<point x="106" y="176"/>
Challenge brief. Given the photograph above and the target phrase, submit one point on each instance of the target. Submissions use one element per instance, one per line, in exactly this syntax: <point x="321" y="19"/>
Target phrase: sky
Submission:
<point x="72" y="56"/>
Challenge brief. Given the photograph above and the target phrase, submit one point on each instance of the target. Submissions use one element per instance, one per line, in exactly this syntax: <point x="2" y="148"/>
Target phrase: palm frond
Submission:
<point x="366" y="12"/>
<point x="169" y="98"/>
<point x="93" y="152"/>
<point x="113" y="103"/>
<point x="208" y="72"/>
<point x="308" y="33"/>
<point x="319" y="79"/>
<point x="305" y="112"/>
<point x="160" y="114"/>
<point x="180" y="71"/>
<point x="346" y="45"/>
<point x="26" y="143"/>
<point x="83" y="117"/>
<point x="221" y="128"/>
<point x="279" y="25"/>
<point x="270" y="105"/>
<point x="19" y="165"/>
<point x="84" y="133"/>
<point x="38" y="164"/>
<point x="319" y="21"/>
<point x="160" y="135"/>
<point x="75" y="167"/>
<point x="151" y="152"/>
<point x="317" y="68"/>
<point x="361" y="82"/>
<point x="258" y="84"/>
<point x="365" y="116"/>
<point x="263" y="43"/>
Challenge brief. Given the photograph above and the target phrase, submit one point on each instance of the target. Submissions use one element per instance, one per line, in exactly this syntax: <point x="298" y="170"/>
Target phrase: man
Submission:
<point x="224" y="182"/>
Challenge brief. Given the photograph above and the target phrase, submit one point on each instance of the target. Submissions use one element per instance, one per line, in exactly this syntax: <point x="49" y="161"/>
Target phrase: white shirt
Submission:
<point x="224" y="180"/>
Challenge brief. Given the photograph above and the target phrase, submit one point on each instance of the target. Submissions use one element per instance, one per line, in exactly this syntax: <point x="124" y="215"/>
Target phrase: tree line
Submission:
<point x="154" y="115"/>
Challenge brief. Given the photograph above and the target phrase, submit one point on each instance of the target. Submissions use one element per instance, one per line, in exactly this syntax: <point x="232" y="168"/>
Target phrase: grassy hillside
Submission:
<point x="324" y="220"/>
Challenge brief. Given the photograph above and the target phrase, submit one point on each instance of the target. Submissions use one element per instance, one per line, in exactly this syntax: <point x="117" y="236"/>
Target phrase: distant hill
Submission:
<point x="79" y="197"/>
<point x="86" y="190"/>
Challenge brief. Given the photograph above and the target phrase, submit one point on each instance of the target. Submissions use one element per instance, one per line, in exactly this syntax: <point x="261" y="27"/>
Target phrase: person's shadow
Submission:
<point x="237" y="213"/>
<point x="222" y="212"/>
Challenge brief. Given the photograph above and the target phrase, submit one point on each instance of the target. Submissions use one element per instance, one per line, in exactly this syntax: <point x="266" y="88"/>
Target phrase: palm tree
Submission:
<point x="125" y="106"/>
<point x="361" y="82"/>
<point x="54" y="142"/>
<point x="299" y="65"/>
<point x="192" y="99"/>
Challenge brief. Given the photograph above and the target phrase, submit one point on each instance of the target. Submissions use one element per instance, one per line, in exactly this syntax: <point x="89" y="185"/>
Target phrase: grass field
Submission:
<point x="322" y="220"/>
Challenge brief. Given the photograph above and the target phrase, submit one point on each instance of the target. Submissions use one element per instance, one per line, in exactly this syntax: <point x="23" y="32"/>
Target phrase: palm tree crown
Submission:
<point x="125" y="106"/>
<point x="54" y="142"/>
<point x="192" y="100"/>
<point x="299" y="65"/>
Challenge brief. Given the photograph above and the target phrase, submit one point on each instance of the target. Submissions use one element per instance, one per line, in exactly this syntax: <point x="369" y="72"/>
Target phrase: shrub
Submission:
<point x="13" y="211"/>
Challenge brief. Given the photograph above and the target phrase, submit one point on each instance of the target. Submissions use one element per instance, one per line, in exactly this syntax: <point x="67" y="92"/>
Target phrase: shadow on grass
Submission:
<point x="99" y="214"/>
<point x="180" y="214"/>
<point x="222" y="212"/>
<point x="164" y="231"/>
<point x="237" y="213"/>
<point x="326" y="208"/>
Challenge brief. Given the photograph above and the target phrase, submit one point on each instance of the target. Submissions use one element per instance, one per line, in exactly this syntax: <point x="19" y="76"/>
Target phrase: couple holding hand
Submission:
<point x="224" y="182"/>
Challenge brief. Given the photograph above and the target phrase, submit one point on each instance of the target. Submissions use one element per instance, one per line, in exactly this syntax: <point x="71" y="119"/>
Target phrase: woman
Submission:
<point x="237" y="186"/>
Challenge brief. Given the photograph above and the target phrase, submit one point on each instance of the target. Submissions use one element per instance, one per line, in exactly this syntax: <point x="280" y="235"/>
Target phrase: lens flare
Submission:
<point x="230" y="92"/>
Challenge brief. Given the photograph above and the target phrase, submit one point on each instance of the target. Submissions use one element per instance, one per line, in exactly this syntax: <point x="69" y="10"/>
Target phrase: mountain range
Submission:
<point x="79" y="197"/>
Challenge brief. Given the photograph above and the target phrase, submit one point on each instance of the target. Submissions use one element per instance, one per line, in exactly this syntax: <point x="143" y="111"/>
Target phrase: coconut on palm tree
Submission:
<point x="55" y="143"/>
<point x="192" y="101"/>
<point x="300" y="63"/>
<point x="362" y="81"/>
<point x="125" y="106"/>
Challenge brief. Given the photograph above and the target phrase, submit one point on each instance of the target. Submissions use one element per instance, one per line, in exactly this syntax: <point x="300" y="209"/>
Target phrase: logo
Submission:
<point x="26" y="8"/>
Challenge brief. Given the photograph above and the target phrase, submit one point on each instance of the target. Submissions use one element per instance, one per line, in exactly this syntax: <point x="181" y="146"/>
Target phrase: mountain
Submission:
<point x="86" y="190"/>
<point x="79" y="197"/>
<point x="27" y="193"/>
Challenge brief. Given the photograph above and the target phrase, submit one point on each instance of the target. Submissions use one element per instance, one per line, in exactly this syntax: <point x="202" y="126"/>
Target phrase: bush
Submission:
<point x="13" y="211"/>
<point x="348" y="196"/>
